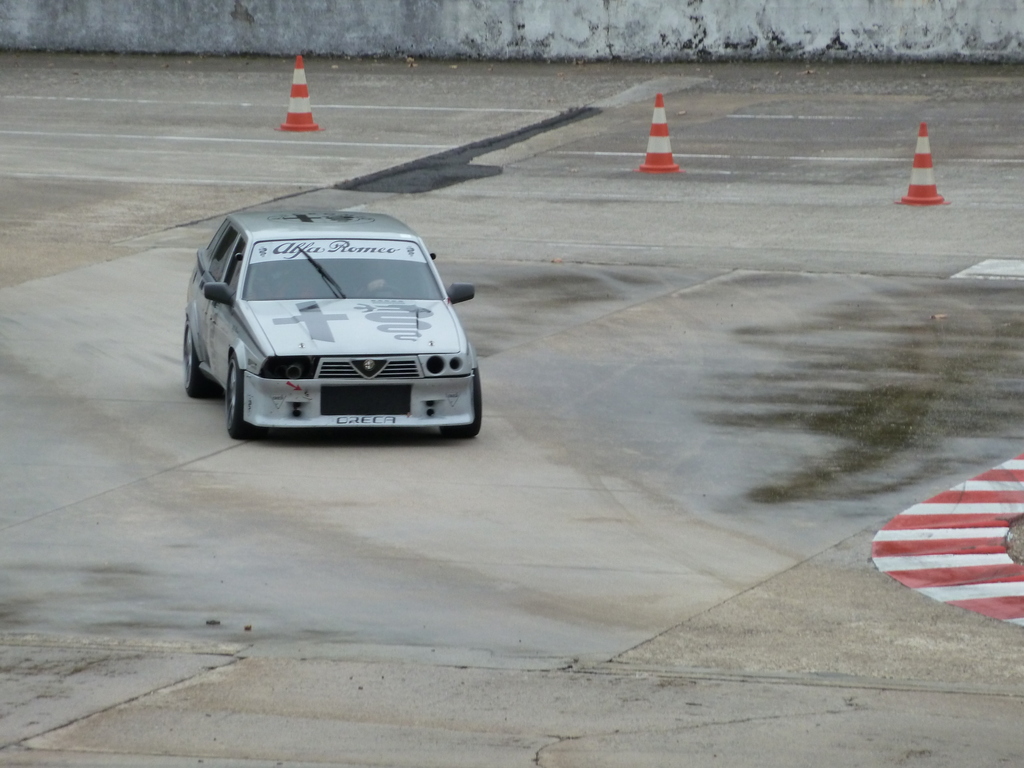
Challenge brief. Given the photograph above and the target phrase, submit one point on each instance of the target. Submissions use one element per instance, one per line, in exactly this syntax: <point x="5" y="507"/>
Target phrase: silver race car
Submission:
<point x="328" y="319"/>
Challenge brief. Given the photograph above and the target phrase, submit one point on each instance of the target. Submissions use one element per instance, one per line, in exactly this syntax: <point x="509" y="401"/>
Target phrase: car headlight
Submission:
<point x="438" y="365"/>
<point x="287" y="368"/>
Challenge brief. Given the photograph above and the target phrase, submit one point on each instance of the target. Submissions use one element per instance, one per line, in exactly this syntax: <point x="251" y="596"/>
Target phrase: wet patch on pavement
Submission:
<point x="885" y="382"/>
<point x="519" y="303"/>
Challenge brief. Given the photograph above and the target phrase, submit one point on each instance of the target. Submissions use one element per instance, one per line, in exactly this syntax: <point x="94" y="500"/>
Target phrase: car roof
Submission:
<point x="323" y="223"/>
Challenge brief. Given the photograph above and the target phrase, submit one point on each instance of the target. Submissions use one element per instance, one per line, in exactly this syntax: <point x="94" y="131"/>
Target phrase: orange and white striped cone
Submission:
<point x="659" y="148"/>
<point x="922" y="190"/>
<point x="300" y="116"/>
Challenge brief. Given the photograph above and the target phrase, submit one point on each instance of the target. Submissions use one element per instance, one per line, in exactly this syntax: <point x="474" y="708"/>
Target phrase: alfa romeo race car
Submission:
<point x="328" y="319"/>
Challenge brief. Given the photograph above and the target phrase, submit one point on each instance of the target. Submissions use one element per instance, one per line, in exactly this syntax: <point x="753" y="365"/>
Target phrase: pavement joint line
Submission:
<point x="608" y="668"/>
<point x="83" y="642"/>
<point x="25" y="741"/>
<point x="815" y="679"/>
<point x="117" y="487"/>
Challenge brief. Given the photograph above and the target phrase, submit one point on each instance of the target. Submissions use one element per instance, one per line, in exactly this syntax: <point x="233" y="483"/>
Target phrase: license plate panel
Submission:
<point x="364" y="400"/>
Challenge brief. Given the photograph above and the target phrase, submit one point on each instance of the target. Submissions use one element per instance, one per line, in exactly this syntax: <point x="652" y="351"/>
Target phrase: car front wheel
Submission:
<point x="234" y="406"/>
<point x="473" y="428"/>
<point x="196" y="384"/>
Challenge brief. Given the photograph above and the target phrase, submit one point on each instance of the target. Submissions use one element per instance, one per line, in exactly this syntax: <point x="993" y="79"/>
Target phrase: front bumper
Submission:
<point x="283" y="404"/>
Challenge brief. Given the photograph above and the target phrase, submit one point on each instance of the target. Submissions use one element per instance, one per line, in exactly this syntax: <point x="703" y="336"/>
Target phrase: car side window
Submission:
<point x="219" y="260"/>
<point x="234" y="268"/>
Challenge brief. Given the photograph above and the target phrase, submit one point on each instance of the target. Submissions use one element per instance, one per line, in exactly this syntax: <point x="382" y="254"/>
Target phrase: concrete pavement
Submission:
<point x="656" y="552"/>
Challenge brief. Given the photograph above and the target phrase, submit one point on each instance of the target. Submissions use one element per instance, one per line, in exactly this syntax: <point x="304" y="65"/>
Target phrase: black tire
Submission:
<point x="464" y="431"/>
<point x="196" y="384"/>
<point x="234" y="406"/>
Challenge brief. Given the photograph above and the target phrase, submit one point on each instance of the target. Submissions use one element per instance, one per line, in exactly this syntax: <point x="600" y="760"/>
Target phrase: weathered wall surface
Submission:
<point x="655" y="30"/>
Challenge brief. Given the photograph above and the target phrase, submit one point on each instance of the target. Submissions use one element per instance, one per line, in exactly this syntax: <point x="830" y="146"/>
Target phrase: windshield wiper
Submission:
<point x="331" y="282"/>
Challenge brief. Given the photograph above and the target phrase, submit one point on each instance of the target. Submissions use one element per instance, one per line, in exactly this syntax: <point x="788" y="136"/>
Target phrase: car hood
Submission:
<point x="357" y="326"/>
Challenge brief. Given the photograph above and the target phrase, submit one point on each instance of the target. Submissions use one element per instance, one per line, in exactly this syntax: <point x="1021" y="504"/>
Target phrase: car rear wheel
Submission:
<point x="196" y="384"/>
<point x="473" y="428"/>
<point x="234" y="406"/>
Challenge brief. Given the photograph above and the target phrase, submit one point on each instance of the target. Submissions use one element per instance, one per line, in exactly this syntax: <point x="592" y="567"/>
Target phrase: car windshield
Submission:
<point x="360" y="268"/>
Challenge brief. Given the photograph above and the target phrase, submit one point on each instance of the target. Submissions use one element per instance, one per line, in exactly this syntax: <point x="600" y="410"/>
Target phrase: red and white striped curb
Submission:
<point x="952" y="547"/>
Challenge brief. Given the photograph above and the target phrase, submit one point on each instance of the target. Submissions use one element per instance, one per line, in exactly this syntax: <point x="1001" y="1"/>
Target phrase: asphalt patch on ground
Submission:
<point x="454" y="165"/>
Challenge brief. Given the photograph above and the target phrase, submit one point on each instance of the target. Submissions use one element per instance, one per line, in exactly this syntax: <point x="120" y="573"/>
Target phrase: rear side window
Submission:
<point x="221" y="253"/>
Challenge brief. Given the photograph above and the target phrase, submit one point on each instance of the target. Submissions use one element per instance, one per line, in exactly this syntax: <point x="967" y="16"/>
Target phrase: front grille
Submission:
<point x="349" y="368"/>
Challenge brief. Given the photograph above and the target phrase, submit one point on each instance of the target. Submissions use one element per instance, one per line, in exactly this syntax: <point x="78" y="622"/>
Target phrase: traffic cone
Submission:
<point x="659" y="149"/>
<point x="922" y="189"/>
<point x="300" y="116"/>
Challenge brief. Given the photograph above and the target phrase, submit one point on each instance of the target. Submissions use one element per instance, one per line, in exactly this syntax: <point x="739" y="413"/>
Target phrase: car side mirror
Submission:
<point x="219" y="292"/>
<point x="460" y="292"/>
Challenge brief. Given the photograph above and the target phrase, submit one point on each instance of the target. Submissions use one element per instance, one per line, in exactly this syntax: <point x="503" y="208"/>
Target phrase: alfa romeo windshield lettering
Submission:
<point x="291" y="250"/>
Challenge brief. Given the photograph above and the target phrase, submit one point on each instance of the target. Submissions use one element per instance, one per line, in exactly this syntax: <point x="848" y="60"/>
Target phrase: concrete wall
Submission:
<point x="658" y="30"/>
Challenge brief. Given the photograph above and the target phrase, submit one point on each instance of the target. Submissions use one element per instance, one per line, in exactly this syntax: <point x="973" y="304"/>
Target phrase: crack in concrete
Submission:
<point x="679" y="727"/>
<point x="22" y="744"/>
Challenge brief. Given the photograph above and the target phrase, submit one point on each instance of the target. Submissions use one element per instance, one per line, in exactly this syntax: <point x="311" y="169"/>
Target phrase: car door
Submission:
<point x="222" y="326"/>
<point x="195" y="307"/>
<point x="215" y="265"/>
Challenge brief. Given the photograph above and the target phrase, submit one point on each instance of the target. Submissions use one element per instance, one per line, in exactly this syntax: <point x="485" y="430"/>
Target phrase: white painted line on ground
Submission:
<point x="929" y="562"/>
<point x="887" y="118"/>
<point x="975" y="591"/>
<point x="220" y="140"/>
<point x="684" y="155"/>
<point x="107" y="100"/>
<point x="800" y="158"/>
<point x="928" y="534"/>
<point x="248" y="104"/>
<point x="496" y="110"/>
<point x="989" y="485"/>
<point x="597" y="246"/>
<point x="16" y="153"/>
<point x="994" y="269"/>
<point x="967" y="508"/>
<point x="154" y="180"/>
<point x="801" y="117"/>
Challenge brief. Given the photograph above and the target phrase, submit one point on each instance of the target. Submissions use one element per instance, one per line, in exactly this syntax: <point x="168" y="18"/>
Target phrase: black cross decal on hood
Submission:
<point x="317" y="323"/>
